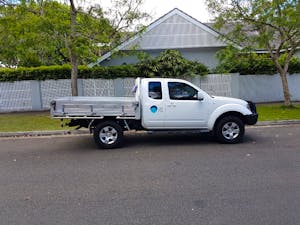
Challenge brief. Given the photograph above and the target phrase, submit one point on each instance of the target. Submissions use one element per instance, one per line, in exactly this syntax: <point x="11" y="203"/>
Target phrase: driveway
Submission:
<point x="154" y="179"/>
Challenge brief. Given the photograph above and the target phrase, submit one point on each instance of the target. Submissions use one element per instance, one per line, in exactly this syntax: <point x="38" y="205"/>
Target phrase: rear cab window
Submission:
<point x="154" y="90"/>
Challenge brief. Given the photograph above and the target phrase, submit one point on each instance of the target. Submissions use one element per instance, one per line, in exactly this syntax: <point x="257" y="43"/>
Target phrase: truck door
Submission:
<point x="153" y="105"/>
<point x="183" y="109"/>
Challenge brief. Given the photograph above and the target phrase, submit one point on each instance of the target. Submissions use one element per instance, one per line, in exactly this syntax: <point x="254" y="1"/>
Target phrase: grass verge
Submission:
<point x="273" y="112"/>
<point x="34" y="121"/>
<point x="28" y="121"/>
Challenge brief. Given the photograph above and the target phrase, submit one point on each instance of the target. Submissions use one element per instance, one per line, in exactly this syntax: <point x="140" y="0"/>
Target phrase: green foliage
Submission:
<point x="170" y="63"/>
<point x="262" y="24"/>
<point x="35" y="33"/>
<point x="25" y="40"/>
<point x="231" y="60"/>
<point x="294" y="64"/>
<point x="63" y="72"/>
<point x="109" y="72"/>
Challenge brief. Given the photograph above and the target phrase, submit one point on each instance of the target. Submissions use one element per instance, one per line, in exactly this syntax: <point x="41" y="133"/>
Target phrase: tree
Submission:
<point x="272" y="25"/>
<point x="32" y="33"/>
<point x="8" y="2"/>
<point x="48" y="32"/>
<point x="123" y="15"/>
<point x="72" y="49"/>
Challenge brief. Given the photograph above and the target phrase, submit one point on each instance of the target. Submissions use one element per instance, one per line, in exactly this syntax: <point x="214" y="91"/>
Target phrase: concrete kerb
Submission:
<point x="278" y="122"/>
<point x="43" y="133"/>
<point x="85" y="131"/>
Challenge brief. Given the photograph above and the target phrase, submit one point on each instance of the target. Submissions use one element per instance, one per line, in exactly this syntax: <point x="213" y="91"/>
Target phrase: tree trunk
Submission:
<point x="283" y="75"/>
<point x="74" y="73"/>
<point x="285" y="86"/>
<point x="72" y="49"/>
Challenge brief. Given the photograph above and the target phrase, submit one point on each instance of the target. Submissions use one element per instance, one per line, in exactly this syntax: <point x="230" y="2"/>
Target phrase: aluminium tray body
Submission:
<point x="94" y="107"/>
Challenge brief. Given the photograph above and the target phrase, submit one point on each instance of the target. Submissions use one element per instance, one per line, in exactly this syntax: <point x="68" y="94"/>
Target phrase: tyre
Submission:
<point x="108" y="135"/>
<point x="230" y="129"/>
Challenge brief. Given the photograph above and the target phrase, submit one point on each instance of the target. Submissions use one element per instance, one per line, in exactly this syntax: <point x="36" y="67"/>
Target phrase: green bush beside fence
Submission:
<point x="232" y="60"/>
<point x="169" y="63"/>
<point x="64" y="72"/>
<point x="84" y="72"/>
<point x="257" y="64"/>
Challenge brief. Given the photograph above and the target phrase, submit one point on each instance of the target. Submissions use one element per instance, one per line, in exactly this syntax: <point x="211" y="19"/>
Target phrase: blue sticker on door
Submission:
<point x="153" y="109"/>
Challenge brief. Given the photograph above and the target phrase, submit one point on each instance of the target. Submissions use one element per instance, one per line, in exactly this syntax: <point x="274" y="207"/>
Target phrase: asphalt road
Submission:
<point x="154" y="179"/>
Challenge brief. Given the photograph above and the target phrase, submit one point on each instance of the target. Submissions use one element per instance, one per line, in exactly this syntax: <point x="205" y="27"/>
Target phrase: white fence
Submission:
<point x="267" y="88"/>
<point x="36" y="95"/>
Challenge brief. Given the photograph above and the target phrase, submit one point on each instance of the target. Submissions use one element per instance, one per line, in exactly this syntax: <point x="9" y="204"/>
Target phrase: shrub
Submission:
<point x="294" y="66"/>
<point x="170" y="63"/>
<point x="64" y="72"/>
<point x="232" y="60"/>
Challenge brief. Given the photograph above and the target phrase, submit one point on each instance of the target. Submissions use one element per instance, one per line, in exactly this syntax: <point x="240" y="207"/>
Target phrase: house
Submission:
<point x="175" y="30"/>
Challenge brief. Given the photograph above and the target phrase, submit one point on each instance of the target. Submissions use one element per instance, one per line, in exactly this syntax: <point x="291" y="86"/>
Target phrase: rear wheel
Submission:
<point x="108" y="135"/>
<point x="230" y="129"/>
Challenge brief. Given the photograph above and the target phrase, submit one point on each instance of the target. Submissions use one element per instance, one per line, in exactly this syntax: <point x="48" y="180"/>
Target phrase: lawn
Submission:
<point x="271" y="112"/>
<point x="31" y="121"/>
<point x="28" y="121"/>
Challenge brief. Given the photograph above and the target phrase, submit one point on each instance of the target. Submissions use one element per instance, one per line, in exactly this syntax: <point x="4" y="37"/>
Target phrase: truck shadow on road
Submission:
<point x="157" y="140"/>
<point x="167" y="139"/>
<point x="145" y="140"/>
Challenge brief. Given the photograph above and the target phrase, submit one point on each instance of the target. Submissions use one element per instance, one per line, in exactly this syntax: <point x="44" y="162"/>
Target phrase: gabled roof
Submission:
<point x="174" y="30"/>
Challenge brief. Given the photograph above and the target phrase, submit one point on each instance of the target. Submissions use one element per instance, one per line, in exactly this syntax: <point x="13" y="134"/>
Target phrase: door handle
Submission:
<point x="171" y="105"/>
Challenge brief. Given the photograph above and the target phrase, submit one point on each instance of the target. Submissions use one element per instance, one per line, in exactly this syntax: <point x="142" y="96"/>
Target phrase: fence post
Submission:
<point x="36" y="95"/>
<point x="119" y="87"/>
<point x="80" y="87"/>
<point x="235" y="85"/>
<point x="197" y="80"/>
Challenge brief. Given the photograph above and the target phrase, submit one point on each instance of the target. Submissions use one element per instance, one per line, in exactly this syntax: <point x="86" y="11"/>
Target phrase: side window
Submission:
<point x="155" y="90"/>
<point x="181" y="91"/>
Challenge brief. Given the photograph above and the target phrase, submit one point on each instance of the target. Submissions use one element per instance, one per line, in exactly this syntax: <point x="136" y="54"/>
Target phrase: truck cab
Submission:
<point x="179" y="104"/>
<point x="173" y="104"/>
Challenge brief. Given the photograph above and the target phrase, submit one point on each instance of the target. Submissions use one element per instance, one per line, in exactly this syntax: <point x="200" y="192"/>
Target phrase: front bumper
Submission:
<point x="251" y="119"/>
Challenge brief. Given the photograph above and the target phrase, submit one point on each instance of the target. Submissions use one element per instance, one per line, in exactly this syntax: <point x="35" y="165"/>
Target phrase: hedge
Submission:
<point x="261" y="64"/>
<point x="231" y="60"/>
<point x="84" y="72"/>
<point x="256" y="65"/>
<point x="64" y="72"/>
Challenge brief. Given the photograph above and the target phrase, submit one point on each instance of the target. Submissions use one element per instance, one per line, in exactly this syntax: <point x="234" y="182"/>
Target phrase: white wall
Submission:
<point x="207" y="56"/>
<point x="36" y="95"/>
<point x="267" y="88"/>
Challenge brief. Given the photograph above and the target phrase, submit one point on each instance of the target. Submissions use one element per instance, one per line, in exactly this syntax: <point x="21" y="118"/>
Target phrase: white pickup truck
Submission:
<point x="160" y="104"/>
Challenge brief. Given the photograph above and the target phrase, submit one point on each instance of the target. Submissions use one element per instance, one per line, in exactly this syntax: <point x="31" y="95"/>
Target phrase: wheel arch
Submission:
<point x="222" y="112"/>
<point x="95" y="122"/>
<point x="230" y="113"/>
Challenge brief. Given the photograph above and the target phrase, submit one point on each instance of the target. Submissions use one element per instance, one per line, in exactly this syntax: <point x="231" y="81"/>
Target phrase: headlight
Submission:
<point x="251" y="106"/>
<point x="248" y="107"/>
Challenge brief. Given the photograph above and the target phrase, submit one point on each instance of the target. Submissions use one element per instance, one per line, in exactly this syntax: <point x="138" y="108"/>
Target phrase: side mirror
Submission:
<point x="200" y="96"/>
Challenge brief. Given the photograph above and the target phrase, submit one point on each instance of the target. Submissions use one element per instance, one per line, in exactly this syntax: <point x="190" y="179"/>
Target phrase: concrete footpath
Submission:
<point x="86" y="131"/>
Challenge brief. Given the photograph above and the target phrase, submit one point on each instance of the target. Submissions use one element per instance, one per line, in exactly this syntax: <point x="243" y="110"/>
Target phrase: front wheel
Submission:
<point x="108" y="135"/>
<point x="230" y="129"/>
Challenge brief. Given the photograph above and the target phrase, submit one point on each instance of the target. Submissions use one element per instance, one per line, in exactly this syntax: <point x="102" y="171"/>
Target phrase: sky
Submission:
<point x="195" y="8"/>
<point x="157" y="8"/>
